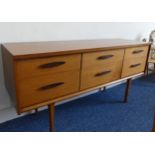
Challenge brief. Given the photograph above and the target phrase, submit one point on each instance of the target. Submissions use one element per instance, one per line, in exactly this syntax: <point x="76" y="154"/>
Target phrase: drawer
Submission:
<point x="45" y="66"/>
<point x="133" y="66"/>
<point x="47" y="87"/>
<point x="136" y="52"/>
<point x="100" y="75"/>
<point x="134" y="60"/>
<point x="102" y="58"/>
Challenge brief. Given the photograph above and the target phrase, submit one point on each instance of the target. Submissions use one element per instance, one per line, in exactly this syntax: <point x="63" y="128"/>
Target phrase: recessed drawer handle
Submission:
<point x="105" y="57"/>
<point x="135" y="65"/>
<point x="102" y="73"/>
<point x="52" y="64"/>
<point x="54" y="85"/>
<point x="138" y="51"/>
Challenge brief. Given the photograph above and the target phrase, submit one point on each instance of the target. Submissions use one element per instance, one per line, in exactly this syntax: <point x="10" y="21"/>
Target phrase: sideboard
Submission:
<point x="40" y="74"/>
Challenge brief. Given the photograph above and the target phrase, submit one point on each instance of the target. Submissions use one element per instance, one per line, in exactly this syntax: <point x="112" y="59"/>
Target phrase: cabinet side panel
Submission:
<point x="9" y="74"/>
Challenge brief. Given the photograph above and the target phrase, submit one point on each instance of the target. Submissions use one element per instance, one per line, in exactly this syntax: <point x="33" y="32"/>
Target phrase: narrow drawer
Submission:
<point x="100" y="75"/>
<point x="134" y="61"/>
<point x="47" y="87"/>
<point x="45" y="66"/>
<point x="136" y="52"/>
<point x="102" y="58"/>
<point x="133" y="66"/>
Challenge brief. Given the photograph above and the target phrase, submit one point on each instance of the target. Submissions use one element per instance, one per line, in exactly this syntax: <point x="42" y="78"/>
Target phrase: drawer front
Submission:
<point x="100" y="75"/>
<point x="134" y="61"/>
<point x="133" y="66"/>
<point x="102" y="58"/>
<point x="45" y="66"/>
<point x="47" y="87"/>
<point x="136" y="52"/>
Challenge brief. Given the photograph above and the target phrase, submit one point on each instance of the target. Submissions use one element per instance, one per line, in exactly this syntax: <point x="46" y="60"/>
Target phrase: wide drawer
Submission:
<point x="101" y="58"/>
<point x="134" y="60"/>
<point x="47" y="87"/>
<point x="100" y="75"/>
<point x="45" y="66"/>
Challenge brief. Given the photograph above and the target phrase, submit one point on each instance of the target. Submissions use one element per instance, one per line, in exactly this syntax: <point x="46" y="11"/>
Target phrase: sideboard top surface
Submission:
<point x="21" y="50"/>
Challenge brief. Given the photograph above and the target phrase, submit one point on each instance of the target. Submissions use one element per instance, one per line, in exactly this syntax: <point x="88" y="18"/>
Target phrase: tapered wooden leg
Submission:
<point x="147" y="69"/>
<point x="128" y="85"/>
<point x="153" y="129"/>
<point x="51" y="109"/>
<point x="36" y="110"/>
<point x="103" y="89"/>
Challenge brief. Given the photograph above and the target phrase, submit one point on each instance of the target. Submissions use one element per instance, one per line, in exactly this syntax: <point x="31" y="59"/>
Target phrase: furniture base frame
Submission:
<point x="51" y="107"/>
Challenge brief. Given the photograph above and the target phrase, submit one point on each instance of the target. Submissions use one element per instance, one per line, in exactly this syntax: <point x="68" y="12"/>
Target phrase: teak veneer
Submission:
<point x="42" y="73"/>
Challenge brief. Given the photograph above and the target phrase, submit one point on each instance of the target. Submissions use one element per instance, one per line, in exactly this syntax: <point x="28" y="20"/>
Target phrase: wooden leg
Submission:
<point x="103" y="89"/>
<point x="51" y="117"/>
<point x="153" y="129"/>
<point x="128" y="85"/>
<point x="147" y="69"/>
<point x="36" y="110"/>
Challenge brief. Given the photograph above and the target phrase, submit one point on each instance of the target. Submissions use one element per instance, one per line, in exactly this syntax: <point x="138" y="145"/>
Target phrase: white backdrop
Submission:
<point x="18" y="32"/>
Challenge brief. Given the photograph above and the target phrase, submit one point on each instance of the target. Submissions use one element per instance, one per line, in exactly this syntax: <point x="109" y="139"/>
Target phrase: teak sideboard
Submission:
<point x="42" y="73"/>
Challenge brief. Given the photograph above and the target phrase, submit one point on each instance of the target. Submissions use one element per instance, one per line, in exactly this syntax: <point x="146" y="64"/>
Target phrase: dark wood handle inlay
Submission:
<point x="135" y="65"/>
<point x="102" y="73"/>
<point x="52" y="64"/>
<point x="105" y="57"/>
<point x="138" y="51"/>
<point x="50" y="86"/>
